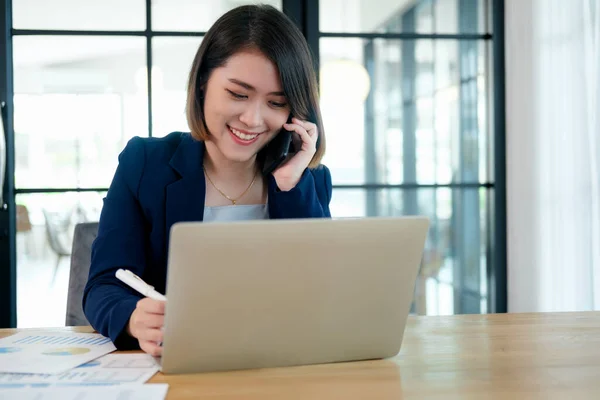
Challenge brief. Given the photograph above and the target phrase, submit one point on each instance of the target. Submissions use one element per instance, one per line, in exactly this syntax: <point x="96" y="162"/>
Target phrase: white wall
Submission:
<point x="522" y="195"/>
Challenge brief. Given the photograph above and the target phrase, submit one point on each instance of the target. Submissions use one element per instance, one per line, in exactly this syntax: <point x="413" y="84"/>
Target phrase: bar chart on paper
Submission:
<point x="50" y="353"/>
<point x="68" y="340"/>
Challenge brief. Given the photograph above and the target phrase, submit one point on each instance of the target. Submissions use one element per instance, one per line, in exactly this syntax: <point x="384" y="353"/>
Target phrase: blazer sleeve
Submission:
<point x="310" y="198"/>
<point x="121" y="243"/>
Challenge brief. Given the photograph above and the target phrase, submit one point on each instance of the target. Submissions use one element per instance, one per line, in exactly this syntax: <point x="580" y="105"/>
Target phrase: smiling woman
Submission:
<point x="251" y="79"/>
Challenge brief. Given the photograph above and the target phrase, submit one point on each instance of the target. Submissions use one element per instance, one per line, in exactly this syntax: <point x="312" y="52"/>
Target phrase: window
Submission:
<point x="80" y="93"/>
<point x="405" y="94"/>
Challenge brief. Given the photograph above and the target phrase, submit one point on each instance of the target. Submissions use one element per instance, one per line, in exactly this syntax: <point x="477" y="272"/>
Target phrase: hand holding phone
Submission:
<point x="278" y="150"/>
<point x="287" y="173"/>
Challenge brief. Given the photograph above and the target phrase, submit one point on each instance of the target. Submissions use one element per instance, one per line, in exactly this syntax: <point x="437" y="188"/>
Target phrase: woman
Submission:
<point x="252" y="77"/>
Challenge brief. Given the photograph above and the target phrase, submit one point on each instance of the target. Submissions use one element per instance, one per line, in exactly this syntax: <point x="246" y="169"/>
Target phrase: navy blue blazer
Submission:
<point x="158" y="182"/>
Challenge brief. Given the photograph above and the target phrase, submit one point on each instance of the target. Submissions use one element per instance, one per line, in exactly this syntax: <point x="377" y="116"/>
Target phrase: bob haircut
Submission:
<point x="266" y="29"/>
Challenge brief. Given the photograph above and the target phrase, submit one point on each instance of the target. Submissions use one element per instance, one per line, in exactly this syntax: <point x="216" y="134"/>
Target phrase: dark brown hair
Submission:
<point x="271" y="32"/>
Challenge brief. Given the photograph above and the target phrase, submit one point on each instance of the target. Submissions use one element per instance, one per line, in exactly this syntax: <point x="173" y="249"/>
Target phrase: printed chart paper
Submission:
<point x="111" y="369"/>
<point x="42" y="352"/>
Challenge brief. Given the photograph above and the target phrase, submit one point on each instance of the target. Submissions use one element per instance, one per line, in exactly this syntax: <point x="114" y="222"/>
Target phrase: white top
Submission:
<point x="244" y="212"/>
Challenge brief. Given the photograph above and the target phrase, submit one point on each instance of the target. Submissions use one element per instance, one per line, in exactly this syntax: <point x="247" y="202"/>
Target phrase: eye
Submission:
<point x="277" y="104"/>
<point x="236" y="95"/>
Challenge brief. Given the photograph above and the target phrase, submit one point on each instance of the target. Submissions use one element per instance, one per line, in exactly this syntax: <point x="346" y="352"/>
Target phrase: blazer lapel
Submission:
<point x="185" y="197"/>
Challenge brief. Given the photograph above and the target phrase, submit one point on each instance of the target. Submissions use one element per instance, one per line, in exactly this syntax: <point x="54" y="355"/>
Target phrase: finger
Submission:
<point x="306" y="138"/>
<point x="309" y="126"/>
<point x="151" y="320"/>
<point x="151" y="306"/>
<point x="151" y="348"/>
<point x="151" y="335"/>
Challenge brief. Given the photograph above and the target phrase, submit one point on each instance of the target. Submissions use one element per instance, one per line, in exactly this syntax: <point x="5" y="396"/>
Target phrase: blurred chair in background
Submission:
<point x="83" y="237"/>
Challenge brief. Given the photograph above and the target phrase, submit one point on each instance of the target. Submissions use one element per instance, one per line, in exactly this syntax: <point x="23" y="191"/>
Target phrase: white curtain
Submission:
<point x="553" y="154"/>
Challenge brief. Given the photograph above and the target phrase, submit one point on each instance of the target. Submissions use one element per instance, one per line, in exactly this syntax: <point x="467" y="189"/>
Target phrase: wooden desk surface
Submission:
<point x="503" y="356"/>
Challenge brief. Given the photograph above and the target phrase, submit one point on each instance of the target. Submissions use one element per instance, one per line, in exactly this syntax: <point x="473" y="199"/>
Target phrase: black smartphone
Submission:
<point x="278" y="150"/>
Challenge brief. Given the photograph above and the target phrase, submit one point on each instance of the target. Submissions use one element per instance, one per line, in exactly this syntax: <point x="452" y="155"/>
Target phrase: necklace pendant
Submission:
<point x="233" y="202"/>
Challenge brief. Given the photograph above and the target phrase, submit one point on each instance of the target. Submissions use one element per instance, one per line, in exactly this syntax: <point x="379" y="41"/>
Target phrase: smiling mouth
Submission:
<point x="244" y="137"/>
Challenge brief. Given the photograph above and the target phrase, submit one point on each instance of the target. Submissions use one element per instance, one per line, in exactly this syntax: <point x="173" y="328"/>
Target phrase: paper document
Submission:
<point x="111" y="369"/>
<point x="153" y="391"/>
<point x="42" y="352"/>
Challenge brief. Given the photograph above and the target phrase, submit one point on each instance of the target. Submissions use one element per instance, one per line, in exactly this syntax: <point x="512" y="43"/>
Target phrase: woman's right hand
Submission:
<point x="146" y="324"/>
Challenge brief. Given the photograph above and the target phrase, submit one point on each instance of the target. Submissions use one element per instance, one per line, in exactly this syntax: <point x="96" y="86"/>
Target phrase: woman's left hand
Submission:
<point x="288" y="175"/>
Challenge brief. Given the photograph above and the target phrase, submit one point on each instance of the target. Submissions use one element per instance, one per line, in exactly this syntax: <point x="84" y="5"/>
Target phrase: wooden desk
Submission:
<point x="513" y="356"/>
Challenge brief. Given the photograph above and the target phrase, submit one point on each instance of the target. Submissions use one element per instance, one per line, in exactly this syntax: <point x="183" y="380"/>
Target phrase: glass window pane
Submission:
<point x="105" y="15"/>
<point x="343" y="107"/>
<point x="194" y="15"/>
<point x="45" y="224"/>
<point x="395" y="16"/>
<point x="405" y="111"/>
<point x="172" y="61"/>
<point x="77" y="102"/>
<point x="348" y="203"/>
<point x="453" y="275"/>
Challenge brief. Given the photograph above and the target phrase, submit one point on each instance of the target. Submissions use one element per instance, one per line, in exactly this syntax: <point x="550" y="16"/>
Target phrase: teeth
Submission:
<point x="241" y="135"/>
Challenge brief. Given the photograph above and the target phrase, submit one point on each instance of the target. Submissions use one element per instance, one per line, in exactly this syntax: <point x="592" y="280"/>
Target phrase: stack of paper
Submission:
<point x="48" y="365"/>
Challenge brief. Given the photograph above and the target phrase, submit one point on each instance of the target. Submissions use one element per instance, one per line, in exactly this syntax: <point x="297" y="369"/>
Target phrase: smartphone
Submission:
<point x="278" y="150"/>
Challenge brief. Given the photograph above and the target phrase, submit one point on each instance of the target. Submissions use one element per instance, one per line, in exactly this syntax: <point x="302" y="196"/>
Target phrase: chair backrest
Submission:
<point x="81" y="255"/>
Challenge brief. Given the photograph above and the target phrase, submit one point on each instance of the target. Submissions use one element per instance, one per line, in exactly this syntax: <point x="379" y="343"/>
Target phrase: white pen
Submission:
<point x="135" y="282"/>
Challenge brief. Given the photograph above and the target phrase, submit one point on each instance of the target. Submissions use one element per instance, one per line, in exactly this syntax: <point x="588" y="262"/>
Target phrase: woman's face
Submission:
<point x="244" y="105"/>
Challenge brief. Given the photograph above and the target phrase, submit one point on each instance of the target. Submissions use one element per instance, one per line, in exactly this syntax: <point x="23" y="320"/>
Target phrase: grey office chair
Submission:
<point x="81" y="254"/>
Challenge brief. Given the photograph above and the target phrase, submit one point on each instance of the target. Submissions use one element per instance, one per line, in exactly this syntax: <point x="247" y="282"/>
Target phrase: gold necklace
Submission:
<point x="233" y="201"/>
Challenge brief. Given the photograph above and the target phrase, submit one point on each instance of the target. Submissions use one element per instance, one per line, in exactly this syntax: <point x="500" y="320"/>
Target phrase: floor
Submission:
<point x="39" y="302"/>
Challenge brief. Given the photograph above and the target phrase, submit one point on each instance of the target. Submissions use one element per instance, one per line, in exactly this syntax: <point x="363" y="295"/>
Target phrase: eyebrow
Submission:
<point x="250" y="87"/>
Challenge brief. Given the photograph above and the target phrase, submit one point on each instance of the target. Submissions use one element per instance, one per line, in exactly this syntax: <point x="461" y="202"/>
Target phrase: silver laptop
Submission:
<point x="276" y="293"/>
